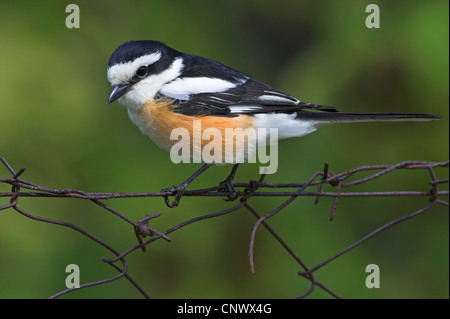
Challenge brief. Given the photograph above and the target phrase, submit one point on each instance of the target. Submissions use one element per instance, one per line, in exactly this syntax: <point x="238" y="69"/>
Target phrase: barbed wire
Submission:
<point x="246" y="191"/>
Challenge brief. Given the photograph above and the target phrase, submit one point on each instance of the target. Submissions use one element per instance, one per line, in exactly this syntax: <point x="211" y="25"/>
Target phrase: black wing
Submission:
<point x="249" y="96"/>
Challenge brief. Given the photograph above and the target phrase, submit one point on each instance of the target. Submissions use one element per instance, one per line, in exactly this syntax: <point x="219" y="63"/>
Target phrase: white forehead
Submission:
<point x="122" y="72"/>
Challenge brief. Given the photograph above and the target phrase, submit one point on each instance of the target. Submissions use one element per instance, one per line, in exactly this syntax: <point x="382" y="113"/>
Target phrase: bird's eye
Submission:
<point x="142" y="71"/>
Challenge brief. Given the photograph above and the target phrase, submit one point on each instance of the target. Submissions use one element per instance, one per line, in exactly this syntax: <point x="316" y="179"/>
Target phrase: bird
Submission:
<point x="164" y="90"/>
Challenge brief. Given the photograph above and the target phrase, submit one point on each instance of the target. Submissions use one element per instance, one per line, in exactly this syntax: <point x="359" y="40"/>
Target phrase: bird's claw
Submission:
<point x="227" y="186"/>
<point x="178" y="190"/>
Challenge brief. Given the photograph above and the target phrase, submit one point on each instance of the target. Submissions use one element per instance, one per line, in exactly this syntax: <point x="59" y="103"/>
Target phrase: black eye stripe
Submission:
<point x="145" y="70"/>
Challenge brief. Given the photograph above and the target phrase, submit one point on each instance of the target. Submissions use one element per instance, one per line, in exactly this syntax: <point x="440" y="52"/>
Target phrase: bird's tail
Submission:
<point x="326" y="118"/>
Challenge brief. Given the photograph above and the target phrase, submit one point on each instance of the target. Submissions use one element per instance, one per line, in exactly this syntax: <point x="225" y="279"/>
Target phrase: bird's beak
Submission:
<point x="118" y="90"/>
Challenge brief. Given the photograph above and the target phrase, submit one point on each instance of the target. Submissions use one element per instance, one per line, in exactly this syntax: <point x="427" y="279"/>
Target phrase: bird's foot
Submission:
<point x="227" y="186"/>
<point x="178" y="190"/>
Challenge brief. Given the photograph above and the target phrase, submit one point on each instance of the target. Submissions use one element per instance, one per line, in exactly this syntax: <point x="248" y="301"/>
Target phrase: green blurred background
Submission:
<point x="55" y="119"/>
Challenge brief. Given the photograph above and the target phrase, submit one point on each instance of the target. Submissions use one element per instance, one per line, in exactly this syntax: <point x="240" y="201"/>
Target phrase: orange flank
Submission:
<point x="157" y="120"/>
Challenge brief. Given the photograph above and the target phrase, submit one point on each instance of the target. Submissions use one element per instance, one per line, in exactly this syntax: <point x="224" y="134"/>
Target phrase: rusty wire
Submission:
<point x="246" y="191"/>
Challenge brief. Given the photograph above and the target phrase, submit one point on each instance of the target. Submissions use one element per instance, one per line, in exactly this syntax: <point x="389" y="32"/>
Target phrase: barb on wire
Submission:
<point x="21" y="188"/>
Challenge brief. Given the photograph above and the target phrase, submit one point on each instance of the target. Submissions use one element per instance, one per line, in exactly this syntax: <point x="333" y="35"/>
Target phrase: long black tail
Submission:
<point x="326" y="117"/>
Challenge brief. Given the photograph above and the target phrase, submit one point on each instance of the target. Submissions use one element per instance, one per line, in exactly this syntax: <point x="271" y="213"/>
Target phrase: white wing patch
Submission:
<point x="182" y="88"/>
<point x="274" y="98"/>
<point x="244" y="108"/>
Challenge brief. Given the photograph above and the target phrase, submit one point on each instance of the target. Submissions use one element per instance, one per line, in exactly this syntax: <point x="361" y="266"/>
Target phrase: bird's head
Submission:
<point x="138" y="69"/>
